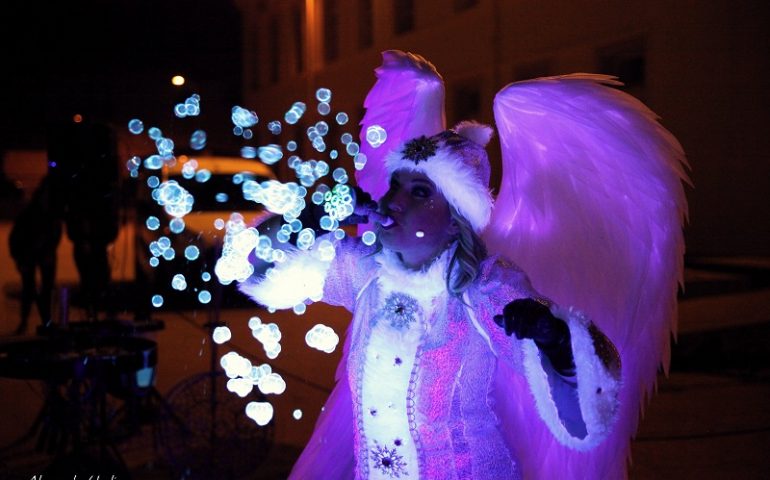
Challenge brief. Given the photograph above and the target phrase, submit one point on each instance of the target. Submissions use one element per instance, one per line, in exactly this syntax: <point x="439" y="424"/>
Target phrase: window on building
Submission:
<point x="467" y="100"/>
<point x="627" y="61"/>
<point x="275" y="49"/>
<point x="299" y="50"/>
<point x="461" y="5"/>
<point x="403" y="14"/>
<point x="365" y="23"/>
<point x="526" y="71"/>
<point x="331" y="30"/>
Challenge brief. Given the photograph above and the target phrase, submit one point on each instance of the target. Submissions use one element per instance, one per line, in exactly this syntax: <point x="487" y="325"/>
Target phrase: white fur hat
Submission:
<point x="456" y="162"/>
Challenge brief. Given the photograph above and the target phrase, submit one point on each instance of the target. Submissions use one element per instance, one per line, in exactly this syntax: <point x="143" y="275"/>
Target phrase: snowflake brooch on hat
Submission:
<point x="420" y="149"/>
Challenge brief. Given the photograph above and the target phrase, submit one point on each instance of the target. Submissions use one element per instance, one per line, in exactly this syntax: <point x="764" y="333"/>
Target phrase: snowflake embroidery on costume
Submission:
<point x="387" y="461"/>
<point x="419" y="149"/>
<point x="401" y="310"/>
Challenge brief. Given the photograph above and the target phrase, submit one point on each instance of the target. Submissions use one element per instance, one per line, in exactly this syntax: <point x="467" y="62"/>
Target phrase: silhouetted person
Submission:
<point x="33" y="241"/>
<point x="83" y="162"/>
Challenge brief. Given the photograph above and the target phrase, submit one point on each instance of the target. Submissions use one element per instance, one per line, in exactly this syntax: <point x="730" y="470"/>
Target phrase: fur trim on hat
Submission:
<point x="457" y="172"/>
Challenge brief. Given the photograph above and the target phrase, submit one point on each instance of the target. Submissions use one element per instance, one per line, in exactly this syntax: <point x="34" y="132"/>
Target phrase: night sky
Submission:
<point x="113" y="60"/>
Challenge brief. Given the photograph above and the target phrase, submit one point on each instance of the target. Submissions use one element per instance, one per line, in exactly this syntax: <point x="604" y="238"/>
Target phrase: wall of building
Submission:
<point x="702" y="66"/>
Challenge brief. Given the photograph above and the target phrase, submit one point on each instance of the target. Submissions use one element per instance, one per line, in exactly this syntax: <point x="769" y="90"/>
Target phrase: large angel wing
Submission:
<point x="591" y="206"/>
<point x="407" y="101"/>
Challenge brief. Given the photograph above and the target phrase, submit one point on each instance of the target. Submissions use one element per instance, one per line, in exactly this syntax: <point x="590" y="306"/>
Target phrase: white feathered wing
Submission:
<point x="591" y="206"/>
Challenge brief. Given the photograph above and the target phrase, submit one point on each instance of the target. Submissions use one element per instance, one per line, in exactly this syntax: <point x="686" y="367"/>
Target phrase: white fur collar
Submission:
<point x="423" y="285"/>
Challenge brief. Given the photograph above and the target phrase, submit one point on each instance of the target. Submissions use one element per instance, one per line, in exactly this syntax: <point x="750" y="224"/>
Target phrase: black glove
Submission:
<point x="528" y="318"/>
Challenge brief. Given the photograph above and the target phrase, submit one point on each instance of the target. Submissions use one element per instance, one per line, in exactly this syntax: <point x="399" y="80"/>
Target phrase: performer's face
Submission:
<point x="422" y="223"/>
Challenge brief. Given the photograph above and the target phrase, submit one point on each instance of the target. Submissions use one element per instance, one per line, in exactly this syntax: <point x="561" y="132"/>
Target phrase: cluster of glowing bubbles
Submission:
<point x="190" y="108"/>
<point x="174" y="198"/>
<point x="243" y="243"/>
<point x="221" y="335"/>
<point x="260" y="412"/>
<point x="268" y="334"/>
<point x="239" y="242"/>
<point x="322" y="338"/>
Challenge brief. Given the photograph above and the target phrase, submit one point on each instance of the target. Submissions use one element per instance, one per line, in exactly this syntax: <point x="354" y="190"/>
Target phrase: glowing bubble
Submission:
<point x="174" y="199"/>
<point x="178" y="282"/>
<point x="202" y="175"/>
<point x="249" y="152"/>
<point x="204" y="296"/>
<point x="341" y="118"/>
<point x="339" y="234"/>
<point x="322" y="128"/>
<point x="238" y="178"/>
<point x="368" y="238"/>
<point x="340" y="175"/>
<point x="176" y="225"/>
<point x="317" y="198"/>
<point x="295" y="225"/>
<point x="156" y="249"/>
<point x="221" y="197"/>
<point x="323" y="95"/>
<point x="247" y="134"/>
<point x="188" y="169"/>
<point x="254" y="322"/>
<point x="169" y="254"/>
<point x="270" y="154"/>
<point x="346" y="138"/>
<point x="242" y="117"/>
<point x="326" y="222"/>
<point x="191" y="252"/>
<point x="260" y="412"/>
<point x="291" y="145"/>
<point x="221" y="335"/>
<point x="322" y="338"/>
<point x="297" y="414"/>
<point x="165" y="146"/>
<point x="376" y="136"/>
<point x="205" y="276"/>
<point x="153" y="181"/>
<point x="135" y="126"/>
<point x="359" y="161"/>
<point x="333" y="154"/>
<point x="157" y="300"/>
<point x="274" y="127"/>
<point x="296" y="111"/>
<point x="237" y="131"/>
<point x="324" y="108"/>
<point x="164" y="242"/>
<point x="272" y="383"/>
<point x="133" y="173"/>
<point x="153" y="162"/>
<point x="240" y="386"/>
<point x="219" y="224"/>
<point x="152" y="223"/>
<point x="352" y="148"/>
<point x="154" y="133"/>
<point x="180" y="110"/>
<point x="154" y="262"/>
<point x="299" y="308"/>
<point x="133" y="163"/>
<point x="198" y="140"/>
<point x="305" y="239"/>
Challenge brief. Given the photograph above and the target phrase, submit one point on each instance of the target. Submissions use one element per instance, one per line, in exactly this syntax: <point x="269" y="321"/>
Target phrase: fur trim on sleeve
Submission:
<point x="597" y="388"/>
<point x="299" y="278"/>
